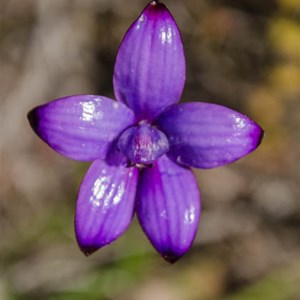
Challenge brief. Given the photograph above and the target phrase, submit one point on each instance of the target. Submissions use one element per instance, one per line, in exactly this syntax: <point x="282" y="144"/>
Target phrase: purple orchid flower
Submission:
<point x="144" y="144"/>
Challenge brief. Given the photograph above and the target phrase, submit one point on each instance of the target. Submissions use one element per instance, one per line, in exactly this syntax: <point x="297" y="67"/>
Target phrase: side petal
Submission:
<point x="105" y="205"/>
<point x="149" y="72"/>
<point x="80" y="127"/>
<point x="204" y="135"/>
<point x="168" y="207"/>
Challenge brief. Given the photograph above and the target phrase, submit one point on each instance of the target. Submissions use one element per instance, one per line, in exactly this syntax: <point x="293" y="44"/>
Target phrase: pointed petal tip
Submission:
<point x="32" y="118"/>
<point x="29" y="115"/>
<point x="88" y="251"/>
<point x="156" y="10"/>
<point x="154" y="7"/>
<point x="257" y="135"/>
<point x="174" y="254"/>
<point x="171" y="258"/>
<point x="89" y="246"/>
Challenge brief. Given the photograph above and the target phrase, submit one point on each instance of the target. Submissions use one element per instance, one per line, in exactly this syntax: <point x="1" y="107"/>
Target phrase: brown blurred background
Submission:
<point x="242" y="54"/>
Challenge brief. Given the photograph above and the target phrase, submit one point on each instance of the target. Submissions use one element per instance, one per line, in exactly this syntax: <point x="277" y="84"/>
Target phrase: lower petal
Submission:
<point x="105" y="205"/>
<point x="168" y="207"/>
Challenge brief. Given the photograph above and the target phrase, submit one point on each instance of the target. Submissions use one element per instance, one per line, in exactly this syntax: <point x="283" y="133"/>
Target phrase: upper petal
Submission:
<point x="168" y="207"/>
<point x="149" y="72"/>
<point x="80" y="127"/>
<point x="204" y="135"/>
<point x="105" y="204"/>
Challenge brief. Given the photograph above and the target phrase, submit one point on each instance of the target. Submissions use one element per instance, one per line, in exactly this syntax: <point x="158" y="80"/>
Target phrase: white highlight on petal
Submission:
<point x="112" y="189"/>
<point x="163" y="214"/>
<point x="99" y="189"/>
<point x="189" y="216"/>
<point x="178" y="159"/>
<point x="89" y="111"/>
<point x="166" y="35"/>
<point x="163" y="36"/>
<point x="119" y="194"/>
<point x="116" y="105"/>
<point x="141" y="20"/>
<point x="169" y="35"/>
<point x="240" y="122"/>
<point x="103" y="192"/>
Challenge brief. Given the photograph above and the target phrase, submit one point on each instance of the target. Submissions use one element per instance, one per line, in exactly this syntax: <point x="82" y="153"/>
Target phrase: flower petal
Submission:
<point x="204" y="135"/>
<point x="80" y="127"/>
<point x="105" y="205"/>
<point x="168" y="207"/>
<point x="150" y="66"/>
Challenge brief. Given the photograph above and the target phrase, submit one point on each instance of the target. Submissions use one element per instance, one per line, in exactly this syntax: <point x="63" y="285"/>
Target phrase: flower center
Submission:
<point x="143" y="144"/>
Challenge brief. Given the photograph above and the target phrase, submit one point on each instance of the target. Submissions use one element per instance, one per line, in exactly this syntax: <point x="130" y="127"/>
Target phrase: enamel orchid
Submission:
<point x="143" y="144"/>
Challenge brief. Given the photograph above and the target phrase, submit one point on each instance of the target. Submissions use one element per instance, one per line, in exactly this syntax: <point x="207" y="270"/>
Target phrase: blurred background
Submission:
<point x="242" y="54"/>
